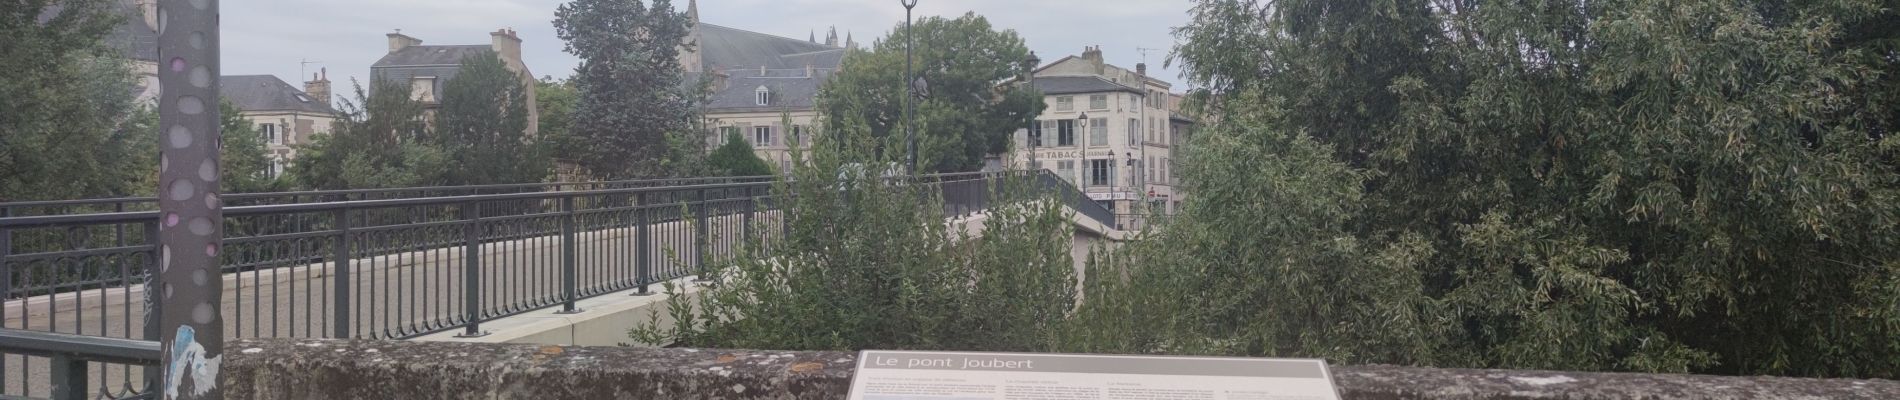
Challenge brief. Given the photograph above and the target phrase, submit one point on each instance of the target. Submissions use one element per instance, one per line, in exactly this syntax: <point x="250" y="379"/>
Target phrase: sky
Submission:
<point x="275" y="37"/>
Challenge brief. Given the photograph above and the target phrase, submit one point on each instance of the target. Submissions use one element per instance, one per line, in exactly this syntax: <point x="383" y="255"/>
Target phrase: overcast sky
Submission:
<point x="274" y="36"/>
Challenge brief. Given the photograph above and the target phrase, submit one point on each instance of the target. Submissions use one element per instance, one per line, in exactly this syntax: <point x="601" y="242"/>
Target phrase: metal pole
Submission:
<point x="643" y="247"/>
<point x="910" y="90"/>
<point x="699" y="239"/>
<point x="69" y="378"/>
<point x="340" y="278"/>
<point x="568" y="247"/>
<point x="192" y="231"/>
<point x="472" y="270"/>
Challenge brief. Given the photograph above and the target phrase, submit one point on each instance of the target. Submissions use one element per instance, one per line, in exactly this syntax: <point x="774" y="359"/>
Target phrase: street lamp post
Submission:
<point x="1035" y="134"/>
<point x="910" y="114"/>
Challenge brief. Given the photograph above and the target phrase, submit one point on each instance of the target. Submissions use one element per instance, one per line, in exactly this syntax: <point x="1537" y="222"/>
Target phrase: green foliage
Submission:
<point x="482" y="126"/>
<point x="241" y="154"/>
<point x="67" y="126"/>
<point x="638" y="109"/>
<point x="380" y="141"/>
<point x="964" y="116"/>
<point x="556" y="99"/>
<point x="735" y="158"/>
<point x="1639" y="185"/>
<point x="865" y="264"/>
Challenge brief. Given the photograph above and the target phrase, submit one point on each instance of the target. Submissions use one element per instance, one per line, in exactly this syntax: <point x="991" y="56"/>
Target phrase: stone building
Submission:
<point x="1110" y="130"/>
<point x="283" y="115"/>
<point x="426" y="69"/>
<point x="759" y="81"/>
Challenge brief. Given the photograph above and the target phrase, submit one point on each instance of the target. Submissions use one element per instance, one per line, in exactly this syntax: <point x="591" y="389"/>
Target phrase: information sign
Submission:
<point x="907" y="375"/>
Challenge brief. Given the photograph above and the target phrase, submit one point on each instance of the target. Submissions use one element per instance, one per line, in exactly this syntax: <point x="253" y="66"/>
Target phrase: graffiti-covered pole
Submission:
<point x="190" y="217"/>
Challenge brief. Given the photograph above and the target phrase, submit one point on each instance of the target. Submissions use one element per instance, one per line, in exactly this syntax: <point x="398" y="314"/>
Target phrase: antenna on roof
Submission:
<point x="1144" y="53"/>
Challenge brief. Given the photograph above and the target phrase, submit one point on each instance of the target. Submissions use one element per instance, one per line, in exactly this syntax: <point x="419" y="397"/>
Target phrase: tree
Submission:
<point x="483" y="124"/>
<point x="874" y="265"/>
<point x="735" y="158"/>
<point x="67" y="126"/>
<point x="634" y="105"/>
<point x="1634" y="185"/>
<point x="380" y="141"/>
<point x="964" y="115"/>
<point x="242" y="154"/>
<point x="556" y="100"/>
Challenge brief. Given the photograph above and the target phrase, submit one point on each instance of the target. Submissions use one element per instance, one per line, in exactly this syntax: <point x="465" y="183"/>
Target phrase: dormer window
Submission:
<point x="763" y="96"/>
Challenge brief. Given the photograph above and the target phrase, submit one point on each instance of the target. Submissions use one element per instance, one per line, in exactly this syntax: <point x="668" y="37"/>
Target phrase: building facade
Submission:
<point x="1110" y="131"/>
<point x="764" y="87"/>
<point x="283" y="115"/>
<point x="426" y="69"/>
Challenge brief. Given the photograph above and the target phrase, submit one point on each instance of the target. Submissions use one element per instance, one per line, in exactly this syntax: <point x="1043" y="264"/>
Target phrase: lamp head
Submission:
<point x="908" y="3"/>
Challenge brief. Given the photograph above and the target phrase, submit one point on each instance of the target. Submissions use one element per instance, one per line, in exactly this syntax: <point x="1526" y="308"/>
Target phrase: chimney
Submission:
<point x="1094" y="56"/>
<point x="399" y="41"/>
<point x="507" y="44"/>
<point x="149" y="8"/>
<point x="319" y="87"/>
<point x="1141" y="69"/>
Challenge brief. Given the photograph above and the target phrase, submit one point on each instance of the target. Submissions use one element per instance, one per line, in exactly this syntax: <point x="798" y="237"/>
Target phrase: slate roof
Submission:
<point x="267" y="93"/>
<point x="1054" y="85"/>
<point x="441" y="62"/>
<point x="420" y="55"/>
<point x="739" y="53"/>
<point x="791" y="89"/>
<point x="730" y="48"/>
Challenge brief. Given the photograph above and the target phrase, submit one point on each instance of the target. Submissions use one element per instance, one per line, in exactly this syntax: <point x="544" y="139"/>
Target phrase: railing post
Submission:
<point x="69" y="378"/>
<point x="472" y="270"/>
<point x="152" y="378"/>
<point x="643" y="246"/>
<point x="568" y="248"/>
<point x="340" y="277"/>
<point x="699" y="239"/>
<point x="6" y="273"/>
<point x="751" y="205"/>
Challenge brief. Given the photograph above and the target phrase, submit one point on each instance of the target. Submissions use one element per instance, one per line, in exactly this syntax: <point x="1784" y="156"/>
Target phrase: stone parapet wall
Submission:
<point x="332" y="369"/>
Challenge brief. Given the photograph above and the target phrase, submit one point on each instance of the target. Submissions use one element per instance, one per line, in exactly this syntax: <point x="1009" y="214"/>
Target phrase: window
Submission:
<point x="1134" y="131"/>
<point x="275" y="169"/>
<point x="1098" y="102"/>
<point x="1034" y="137"/>
<point x="1065" y="103"/>
<point x="797" y="137"/>
<point x="1098" y="132"/>
<point x="1066" y="170"/>
<point x="763" y="96"/>
<point x="1065" y="133"/>
<point x="1150" y="167"/>
<point x="785" y="166"/>
<point x="1101" y="172"/>
<point x="762" y="136"/>
<point x="726" y="132"/>
<point x="270" y="133"/>
<point x="1165" y="177"/>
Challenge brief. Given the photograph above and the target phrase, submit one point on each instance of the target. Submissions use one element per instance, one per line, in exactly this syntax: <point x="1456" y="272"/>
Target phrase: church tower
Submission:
<point x="690" y="58"/>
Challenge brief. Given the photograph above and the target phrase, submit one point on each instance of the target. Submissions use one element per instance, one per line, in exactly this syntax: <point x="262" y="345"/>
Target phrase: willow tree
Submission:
<point x="1599" y="185"/>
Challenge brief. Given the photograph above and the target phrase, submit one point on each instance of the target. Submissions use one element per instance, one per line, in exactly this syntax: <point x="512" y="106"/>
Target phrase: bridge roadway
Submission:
<point x="392" y="296"/>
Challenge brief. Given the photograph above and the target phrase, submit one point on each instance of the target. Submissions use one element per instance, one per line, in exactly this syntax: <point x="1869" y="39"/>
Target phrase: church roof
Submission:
<point x="732" y="48"/>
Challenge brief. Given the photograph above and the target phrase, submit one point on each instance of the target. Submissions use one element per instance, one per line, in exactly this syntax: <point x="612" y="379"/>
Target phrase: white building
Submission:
<point x="1109" y="130"/>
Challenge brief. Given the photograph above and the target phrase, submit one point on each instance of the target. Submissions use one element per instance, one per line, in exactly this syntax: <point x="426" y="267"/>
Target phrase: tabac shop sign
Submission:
<point x="906" y="375"/>
<point x="1062" y="154"/>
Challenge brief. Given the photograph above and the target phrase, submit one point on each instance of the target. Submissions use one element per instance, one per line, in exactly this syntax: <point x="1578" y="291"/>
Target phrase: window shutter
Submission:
<point x="774" y="134"/>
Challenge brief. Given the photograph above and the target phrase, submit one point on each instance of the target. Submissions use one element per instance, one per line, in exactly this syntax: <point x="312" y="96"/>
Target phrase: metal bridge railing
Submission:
<point x="71" y="357"/>
<point x="400" y="267"/>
